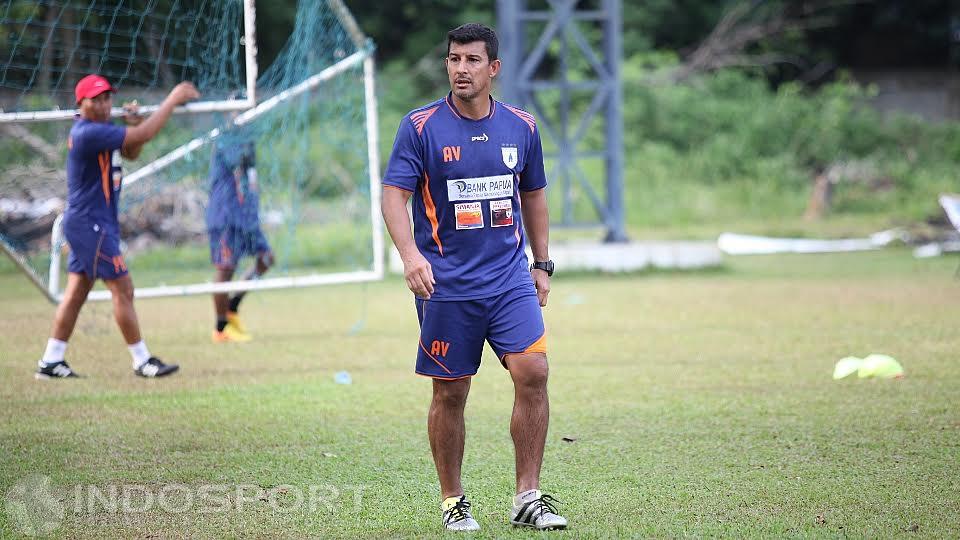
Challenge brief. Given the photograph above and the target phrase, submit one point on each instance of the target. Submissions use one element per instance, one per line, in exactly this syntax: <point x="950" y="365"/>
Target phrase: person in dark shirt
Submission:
<point x="474" y="169"/>
<point x="90" y="224"/>
<point x="233" y="226"/>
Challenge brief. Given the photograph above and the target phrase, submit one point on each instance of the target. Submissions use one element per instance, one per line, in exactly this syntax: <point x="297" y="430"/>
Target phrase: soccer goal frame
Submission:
<point x="250" y="60"/>
<point x="250" y="111"/>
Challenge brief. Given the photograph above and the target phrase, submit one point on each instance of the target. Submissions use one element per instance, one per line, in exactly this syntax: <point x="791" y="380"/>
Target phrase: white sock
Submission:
<point x="526" y="496"/>
<point x="140" y="353"/>
<point x="54" y="352"/>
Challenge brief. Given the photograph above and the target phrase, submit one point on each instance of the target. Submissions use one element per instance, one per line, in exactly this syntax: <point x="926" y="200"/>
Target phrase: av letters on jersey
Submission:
<point x="451" y="153"/>
<point x="485" y="187"/>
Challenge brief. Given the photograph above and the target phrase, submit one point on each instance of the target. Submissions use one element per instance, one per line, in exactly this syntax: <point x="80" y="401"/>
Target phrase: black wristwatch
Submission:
<point x="546" y="266"/>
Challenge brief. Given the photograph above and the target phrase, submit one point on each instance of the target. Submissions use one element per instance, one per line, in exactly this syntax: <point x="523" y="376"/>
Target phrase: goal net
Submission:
<point x="310" y="113"/>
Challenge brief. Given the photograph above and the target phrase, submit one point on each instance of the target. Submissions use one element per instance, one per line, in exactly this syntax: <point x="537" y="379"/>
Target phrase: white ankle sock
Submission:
<point x="526" y="497"/>
<point x="140" y="354"/>
<point x="54" y="352"/>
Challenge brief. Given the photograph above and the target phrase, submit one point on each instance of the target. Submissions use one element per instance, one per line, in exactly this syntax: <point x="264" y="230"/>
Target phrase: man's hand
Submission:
<point x="419" y="275"/>
<point x="183" y="93"/>
<point x="131" y="115"/>
<point x="542" y="282"/>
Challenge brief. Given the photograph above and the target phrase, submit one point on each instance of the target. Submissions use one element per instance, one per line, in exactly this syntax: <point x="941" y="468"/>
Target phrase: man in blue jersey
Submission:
<point x="90" y="221"/>
<point x="233" y="226"/>
<point x="474" y="167"/>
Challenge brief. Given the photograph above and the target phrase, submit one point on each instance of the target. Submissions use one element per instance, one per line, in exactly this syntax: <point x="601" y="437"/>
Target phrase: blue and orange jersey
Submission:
<point x="234" y="190"/>
<point x="466" y="177"/>
<point x="94" y="174"/>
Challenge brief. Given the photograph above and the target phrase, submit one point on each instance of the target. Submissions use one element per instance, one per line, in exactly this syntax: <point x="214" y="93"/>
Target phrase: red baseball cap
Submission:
<point x="91" y="86"/>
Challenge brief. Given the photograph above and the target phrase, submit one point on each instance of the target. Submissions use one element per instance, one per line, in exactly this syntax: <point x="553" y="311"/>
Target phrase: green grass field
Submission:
<point x="701" y="405"/>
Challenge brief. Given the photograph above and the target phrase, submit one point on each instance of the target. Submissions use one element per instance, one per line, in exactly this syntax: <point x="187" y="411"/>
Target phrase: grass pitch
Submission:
<point x="698" y="404"/>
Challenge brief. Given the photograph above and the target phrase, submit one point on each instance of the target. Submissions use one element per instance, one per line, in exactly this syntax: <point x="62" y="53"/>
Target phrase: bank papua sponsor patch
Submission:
<point x="501" y="213"/>
<point x="469" y="215"/>
<point x="485" y="187"/>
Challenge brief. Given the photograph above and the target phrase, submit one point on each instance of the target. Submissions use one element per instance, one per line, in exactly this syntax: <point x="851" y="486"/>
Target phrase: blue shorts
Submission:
<point x="452" y="333"/>
<point x="230" y="244"/>
<point x="94" y="252"/>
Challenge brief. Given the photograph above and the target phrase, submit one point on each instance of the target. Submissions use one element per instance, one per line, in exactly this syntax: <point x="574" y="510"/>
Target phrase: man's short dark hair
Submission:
<point x="470" y="32"/>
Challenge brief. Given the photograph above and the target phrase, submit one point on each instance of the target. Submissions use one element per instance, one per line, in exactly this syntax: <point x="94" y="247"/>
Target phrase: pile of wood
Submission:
<point x="33" y="196"/>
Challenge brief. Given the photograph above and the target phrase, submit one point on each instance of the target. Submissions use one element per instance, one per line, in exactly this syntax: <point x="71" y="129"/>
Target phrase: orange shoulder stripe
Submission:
<point x="420" y="118"/>
<point x="523" y="115"/>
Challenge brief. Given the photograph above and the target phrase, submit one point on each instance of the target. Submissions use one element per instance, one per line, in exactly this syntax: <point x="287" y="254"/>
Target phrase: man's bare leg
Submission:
<point x="121" y="289"/>
<point x="447" y="432"/>
<point x="78" y="287"/>
<point x="531" y="415"/>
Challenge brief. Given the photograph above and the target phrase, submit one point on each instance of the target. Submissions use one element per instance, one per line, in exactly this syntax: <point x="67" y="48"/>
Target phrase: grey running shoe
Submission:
<point x="537" y="511"/>
<point x="458" y="518"/>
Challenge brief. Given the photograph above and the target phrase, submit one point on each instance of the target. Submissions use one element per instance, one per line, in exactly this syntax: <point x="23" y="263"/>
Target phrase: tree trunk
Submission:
<point x="819" y="203"/>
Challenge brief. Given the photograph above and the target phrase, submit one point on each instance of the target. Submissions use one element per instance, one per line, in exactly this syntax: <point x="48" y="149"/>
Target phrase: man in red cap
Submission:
<point x="90" y="221"/>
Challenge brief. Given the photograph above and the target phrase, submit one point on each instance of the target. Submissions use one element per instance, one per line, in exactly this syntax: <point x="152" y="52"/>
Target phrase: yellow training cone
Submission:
<point x="846" y="366"/>
<point x="880" y="365"/>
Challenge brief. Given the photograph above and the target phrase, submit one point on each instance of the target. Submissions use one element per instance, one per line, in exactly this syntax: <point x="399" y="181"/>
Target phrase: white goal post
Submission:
<point x="249" y="110"/>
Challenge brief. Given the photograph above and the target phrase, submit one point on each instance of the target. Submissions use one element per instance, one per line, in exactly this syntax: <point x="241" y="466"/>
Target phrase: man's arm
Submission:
<point x="536" y="221"/>
<point x="139" y="135"/>
<point x="132" y="118"/>
<point x="416" y="269"/>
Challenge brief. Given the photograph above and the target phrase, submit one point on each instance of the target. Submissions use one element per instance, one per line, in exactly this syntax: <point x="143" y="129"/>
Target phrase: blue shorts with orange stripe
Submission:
<point x="94" y="252"/>
<point x="229" y="244"/>
<point x="452" y="333"/>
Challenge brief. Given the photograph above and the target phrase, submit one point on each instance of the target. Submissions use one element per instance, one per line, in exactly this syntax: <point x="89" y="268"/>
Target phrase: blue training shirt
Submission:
<point x="234" y="190"/>
<point x="94" y="176"/>
<point x="466" y="176"/>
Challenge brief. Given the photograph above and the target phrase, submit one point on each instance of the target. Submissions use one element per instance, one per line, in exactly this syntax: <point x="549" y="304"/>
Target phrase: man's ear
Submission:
<point x="494" y="68"/>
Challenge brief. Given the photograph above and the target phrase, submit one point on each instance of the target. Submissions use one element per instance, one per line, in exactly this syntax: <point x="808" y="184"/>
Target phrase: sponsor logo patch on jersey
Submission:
<point x="117" y="166"/>
<point x="480" y="138"/>
<point x="469" y="215"/>
<point x="501" y="213"/>
<point x="486" y="187"/>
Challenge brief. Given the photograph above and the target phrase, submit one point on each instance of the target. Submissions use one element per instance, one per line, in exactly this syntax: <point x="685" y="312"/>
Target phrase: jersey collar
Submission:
<point x="453" y="108"/>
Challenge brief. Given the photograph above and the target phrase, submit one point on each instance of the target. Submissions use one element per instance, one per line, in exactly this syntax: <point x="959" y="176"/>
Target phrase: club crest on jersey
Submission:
<point x="509" y="156"/>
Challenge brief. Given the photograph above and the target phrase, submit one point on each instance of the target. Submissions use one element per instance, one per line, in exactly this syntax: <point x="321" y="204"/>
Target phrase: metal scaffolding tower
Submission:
<point x="528" y="73"/>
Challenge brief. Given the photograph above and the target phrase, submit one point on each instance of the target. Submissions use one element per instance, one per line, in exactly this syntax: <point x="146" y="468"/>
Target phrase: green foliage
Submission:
<point x="727" y="144"/>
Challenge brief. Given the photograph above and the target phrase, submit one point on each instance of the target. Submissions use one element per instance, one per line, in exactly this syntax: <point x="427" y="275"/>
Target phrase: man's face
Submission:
<point x="97" y="108"/>
<point x="469" y="70"/>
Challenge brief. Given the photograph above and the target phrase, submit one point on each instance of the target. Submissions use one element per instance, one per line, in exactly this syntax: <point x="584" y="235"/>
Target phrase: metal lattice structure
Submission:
<point x="529" y="72"/>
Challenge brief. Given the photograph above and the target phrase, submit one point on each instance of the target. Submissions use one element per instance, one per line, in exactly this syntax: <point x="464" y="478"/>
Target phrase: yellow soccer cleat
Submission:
<point x="230" y="334"/>
<point x="233" y="319"/>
